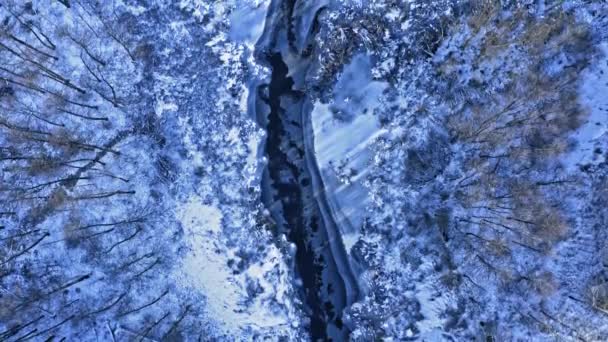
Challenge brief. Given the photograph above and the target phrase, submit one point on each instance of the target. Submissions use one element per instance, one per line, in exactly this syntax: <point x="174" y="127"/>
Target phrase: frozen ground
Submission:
<point x="343" y="132"/>
<point x="590" y="137"/>
<point x="273" y="170"/>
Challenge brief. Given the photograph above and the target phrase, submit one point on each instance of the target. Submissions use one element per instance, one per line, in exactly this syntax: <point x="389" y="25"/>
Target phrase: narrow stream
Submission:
<point x="292" y="188"/>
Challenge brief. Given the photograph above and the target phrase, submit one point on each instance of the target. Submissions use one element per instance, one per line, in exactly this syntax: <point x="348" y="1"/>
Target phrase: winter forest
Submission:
<point x="303" y="170"/>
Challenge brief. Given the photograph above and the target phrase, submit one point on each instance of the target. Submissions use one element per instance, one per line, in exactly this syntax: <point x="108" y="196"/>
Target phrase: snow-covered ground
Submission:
<point x="231" y="260"/>
<point x="461" y="149"/>
<point x="590" y="137"/>
<point x="343" y="132"/>
<point x="242" y="302"/>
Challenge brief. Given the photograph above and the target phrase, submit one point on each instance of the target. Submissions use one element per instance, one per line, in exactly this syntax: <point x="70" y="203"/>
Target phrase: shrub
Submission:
<point x="598" y="295"/>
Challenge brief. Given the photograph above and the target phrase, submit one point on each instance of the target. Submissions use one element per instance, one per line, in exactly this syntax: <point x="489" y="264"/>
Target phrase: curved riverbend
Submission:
<point x="293" y="189"/>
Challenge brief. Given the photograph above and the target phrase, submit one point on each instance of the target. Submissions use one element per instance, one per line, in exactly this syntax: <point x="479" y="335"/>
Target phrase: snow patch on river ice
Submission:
<point x="345" y="128"/>
<point x="344" y="131"/>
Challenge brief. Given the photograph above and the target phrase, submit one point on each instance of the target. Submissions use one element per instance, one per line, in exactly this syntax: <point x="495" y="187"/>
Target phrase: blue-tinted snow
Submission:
<point x="344" y="131"/>
<point x="248" y="21"/>
<point x="305" y="12"/>
<point x="594" y="97"/>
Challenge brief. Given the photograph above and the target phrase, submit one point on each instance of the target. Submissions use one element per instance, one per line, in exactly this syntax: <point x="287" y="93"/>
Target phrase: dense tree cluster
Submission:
<point x="473" y="195"/>
<point x="130" y="204"/>
<point x="79" y="218"/>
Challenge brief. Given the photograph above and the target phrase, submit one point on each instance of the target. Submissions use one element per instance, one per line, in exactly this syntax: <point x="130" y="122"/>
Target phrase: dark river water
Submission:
<point x="292" y="186"/>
